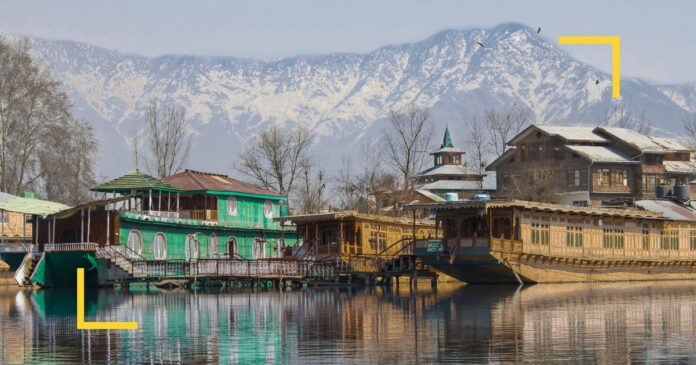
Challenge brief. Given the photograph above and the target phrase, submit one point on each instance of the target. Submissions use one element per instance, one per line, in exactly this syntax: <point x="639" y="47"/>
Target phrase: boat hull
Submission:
<point x="478" y="265"/>
<point x="59" y="269"/>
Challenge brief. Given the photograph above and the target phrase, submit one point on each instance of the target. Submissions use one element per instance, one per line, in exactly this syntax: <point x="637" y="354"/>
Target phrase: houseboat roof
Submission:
<point x="569" y="133"/>
<point x="668" y="209"/>
<point x="601" y="154"/>
<point x="191" y="180"/>
<point x="352" y="214"/>
<point x="680" y="167"/>
<point x="455" y="170"/>
<point x="644" y="143"/>
<point x="70" y="211"/>
<point x="458" y="185"/>
<point x="550" y="207"/>
<point x="16" y="204"/>
<point x="133" y="181"/>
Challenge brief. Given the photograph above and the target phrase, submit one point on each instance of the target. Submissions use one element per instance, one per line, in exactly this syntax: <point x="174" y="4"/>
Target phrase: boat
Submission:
<point x="513" y="241"/>
<point x="146" y="227"/>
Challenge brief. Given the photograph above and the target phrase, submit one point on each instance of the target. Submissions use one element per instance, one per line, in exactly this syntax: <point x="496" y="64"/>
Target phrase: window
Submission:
<point x="669" y="239"/>
<point x="328" y="237"/>
<point x="232" y="206"/>
<point x="373" y="240"/>
<point x="613" y="238"/>
<point x="540" y="233"/>
<point x="692" y="239"/>
<point x="159" y="246"/>
<point x="645" y="238"/>
<point x="191" y="247"/>
<point x="619" y="178"/>
<point x="212" y="247"/>
<point x="259" y="249"/>
<point x="604" y="177"/>
<point x="382" y="240"/>
<point x="231" y="248"/>
<point x="268" y="209"/>
<point x="574" y="236"/>
<point x="134" y="245"/>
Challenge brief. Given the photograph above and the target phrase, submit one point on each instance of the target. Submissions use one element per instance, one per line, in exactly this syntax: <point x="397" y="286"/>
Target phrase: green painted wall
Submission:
<point x="176" y="239"/>
<point x="250" y="212"/>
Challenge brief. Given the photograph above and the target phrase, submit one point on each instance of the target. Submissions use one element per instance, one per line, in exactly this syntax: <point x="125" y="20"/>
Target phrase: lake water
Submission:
<point x="577" y="323"/>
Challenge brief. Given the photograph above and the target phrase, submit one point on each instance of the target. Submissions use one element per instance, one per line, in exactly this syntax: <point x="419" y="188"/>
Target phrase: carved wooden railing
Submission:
<point x="64" y="247"/>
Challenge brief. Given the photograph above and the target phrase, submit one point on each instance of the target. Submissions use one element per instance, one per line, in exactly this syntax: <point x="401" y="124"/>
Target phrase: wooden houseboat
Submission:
<point x="355" y="238"/>
<point x="184" y="217"/>
<point x="510" y="241"/>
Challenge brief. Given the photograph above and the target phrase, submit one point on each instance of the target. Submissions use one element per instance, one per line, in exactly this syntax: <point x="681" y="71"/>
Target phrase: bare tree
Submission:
<point x="407" y="141"/>
<point x="502" y="126"/>
<point x="274" y="159"/>
<point x="689" y="125"/>
<point x="354" y="188"/>
<point x="621" y="117"/>
<point x="477" y="144"/>
<point x="539" y="183"/>
<point x="169" y="140"/>
<point x="310" y="195"/>
<point x="38" y="133"/>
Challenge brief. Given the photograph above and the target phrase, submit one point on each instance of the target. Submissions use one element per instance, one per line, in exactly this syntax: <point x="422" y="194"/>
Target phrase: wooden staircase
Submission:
<point x="26" y="268"/>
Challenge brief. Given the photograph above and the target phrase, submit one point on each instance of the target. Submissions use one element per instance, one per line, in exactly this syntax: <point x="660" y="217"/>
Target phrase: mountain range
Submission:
<point x="345" y="98"/>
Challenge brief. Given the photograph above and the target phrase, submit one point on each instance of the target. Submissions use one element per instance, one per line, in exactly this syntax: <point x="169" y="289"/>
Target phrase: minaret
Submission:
<point x="447" y="154"/>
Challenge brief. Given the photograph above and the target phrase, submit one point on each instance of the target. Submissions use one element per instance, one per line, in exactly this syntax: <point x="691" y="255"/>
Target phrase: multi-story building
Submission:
<point x="592" y="165"/>
<point x="450" y="174"/>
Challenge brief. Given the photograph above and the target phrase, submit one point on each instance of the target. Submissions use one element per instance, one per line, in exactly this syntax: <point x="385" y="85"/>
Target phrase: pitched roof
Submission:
<point x="685" y="167"/>
<point x="642" y="142"/>
<point x="572" y="134"/>
<point x="600" y="154"/>
<point x="447" y="170"/>
<point x="457" y="185"/>
<point x="40" y="207"/>
<point x="135" y="180"/>
<point x="447" y="145"/>
<point x="196" y="180"/>
<point x="668" y="209"/>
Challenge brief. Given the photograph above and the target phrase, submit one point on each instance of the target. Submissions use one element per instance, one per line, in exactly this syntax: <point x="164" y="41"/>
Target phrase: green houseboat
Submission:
<point x="185" y="217"/>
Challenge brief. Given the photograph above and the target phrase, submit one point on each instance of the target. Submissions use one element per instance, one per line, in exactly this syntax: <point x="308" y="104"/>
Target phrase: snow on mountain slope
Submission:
<point x="344" y="98"/>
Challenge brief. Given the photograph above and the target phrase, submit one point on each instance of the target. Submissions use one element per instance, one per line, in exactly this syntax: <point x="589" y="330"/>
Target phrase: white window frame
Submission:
<point x="268" y="212"/>
<point x="131" y="251"/>
<point x="154" y="245"/>
<point x="230" y="201"/>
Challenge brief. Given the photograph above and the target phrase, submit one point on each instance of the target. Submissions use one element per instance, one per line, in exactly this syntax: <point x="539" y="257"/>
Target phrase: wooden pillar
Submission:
<point x="159" y="200"/>
<point x="24" y="228"/>
<point x="53" y="228"/>
<point x="414" y="226"/>
<point x="149" y="203"/>
<point x="35" y="231"/>
<point x="2" y="227"/>
<point x="89" y="221"/>
<point x="177" y="205"/>
<point x="108" y="228"/>
<point x="82" y="225"/>
<point x="169" y="201"/>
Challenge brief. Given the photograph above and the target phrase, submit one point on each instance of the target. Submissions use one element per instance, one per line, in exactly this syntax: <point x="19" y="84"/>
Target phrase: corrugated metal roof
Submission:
<point x="135" y="180"/>
<point x="429" y="195"/>
<point x="600" y="154"/>
<point x="40" y="207"/>
<point x="352" y="214"/>
<point x="196" y="180"/>
<point x="447" y="170"/>
<point x="668" y="209"/>
<point x="447" y="149"/>
<point x="456" y="185"/>
<point x="686" y="167"/>
<point x="644" y="143"/>
<point x="572" y="134"/>
<point x="549" y="207"/>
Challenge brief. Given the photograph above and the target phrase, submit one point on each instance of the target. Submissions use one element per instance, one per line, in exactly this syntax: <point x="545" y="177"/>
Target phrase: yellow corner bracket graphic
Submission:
<point x="614" y="42"/>
<point x="81" y="324"/>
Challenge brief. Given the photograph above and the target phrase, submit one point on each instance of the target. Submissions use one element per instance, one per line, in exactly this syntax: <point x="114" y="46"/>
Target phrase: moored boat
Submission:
<point x="508" y="241"/>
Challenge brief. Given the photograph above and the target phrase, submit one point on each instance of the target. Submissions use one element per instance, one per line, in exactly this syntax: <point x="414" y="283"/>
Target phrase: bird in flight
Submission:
<point x="538" y="30"/>
<point x="480" y="44"/>
<point x="596" y="82"/>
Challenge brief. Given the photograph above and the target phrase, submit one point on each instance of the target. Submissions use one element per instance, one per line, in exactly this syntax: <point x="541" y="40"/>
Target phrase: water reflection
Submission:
<point x="599" y="323"/>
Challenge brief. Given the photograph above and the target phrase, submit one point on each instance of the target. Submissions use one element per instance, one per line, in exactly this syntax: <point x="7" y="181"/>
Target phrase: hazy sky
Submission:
<point x="658" y="37"/>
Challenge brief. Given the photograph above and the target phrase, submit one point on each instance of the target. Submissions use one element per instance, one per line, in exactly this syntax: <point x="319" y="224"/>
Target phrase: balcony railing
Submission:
<point x="66" y="247"/>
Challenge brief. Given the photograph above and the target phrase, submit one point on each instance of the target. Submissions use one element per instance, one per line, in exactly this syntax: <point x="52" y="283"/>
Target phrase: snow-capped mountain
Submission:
<point x="344" y="98"/>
